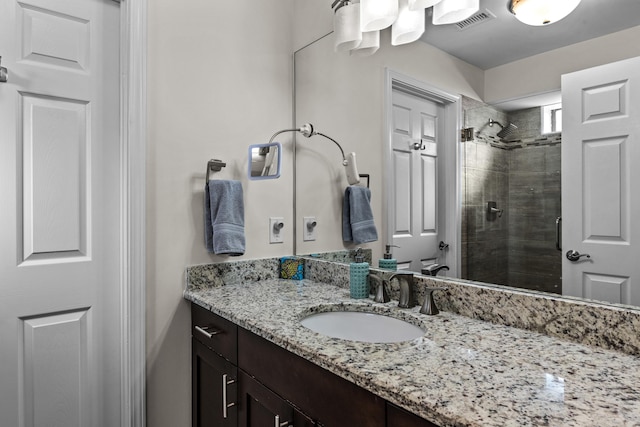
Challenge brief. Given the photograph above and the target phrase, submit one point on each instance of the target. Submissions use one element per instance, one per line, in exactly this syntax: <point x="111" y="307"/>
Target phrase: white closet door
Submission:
<point x="600" y="166"/>
<point x="59" y="220"/>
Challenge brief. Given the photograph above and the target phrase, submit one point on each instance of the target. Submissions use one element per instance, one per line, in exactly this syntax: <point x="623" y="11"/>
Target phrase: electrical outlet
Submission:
<point x="276" y="229"/>
<point x="309" y="228"/>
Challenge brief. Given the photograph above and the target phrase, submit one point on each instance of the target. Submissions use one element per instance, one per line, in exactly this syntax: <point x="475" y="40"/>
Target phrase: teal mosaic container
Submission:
<point x="388" y="262"/>
<point x="358" y="278"/>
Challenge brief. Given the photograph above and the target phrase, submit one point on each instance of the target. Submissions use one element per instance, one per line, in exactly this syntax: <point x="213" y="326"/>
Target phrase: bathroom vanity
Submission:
<point x="242" y="379"/>
<point x="254" y="362"/>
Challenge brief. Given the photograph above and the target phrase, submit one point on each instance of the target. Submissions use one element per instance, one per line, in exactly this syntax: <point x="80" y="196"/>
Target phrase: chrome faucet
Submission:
<point x="381" y="293"/>
<point x="433" y="269"/>
<point x="407" y="298"/>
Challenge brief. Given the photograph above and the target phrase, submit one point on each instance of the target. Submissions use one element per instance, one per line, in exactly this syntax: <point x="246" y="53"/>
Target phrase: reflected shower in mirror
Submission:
<point x="265" y="160"/>
<point x="510" y="199"/>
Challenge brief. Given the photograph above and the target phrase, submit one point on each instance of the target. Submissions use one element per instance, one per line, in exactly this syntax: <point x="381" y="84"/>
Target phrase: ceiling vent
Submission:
<point x="476" y="19"/>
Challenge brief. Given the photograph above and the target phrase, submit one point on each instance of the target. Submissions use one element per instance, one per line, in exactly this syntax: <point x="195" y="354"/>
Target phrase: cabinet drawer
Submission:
<point x="218" y="334"/>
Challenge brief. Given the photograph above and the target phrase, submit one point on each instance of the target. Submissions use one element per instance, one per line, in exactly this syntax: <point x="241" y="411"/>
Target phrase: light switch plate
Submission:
<point x="276" y="229"/>
<point x="309" y="228"/>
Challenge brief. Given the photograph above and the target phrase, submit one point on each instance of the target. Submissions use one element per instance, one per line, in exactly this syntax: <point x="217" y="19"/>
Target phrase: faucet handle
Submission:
<point x="380" y="293"/>
<point x="429" y="306"/>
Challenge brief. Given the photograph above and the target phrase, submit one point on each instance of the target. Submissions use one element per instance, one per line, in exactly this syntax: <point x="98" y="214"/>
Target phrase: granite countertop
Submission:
<point x="462" y="372"/>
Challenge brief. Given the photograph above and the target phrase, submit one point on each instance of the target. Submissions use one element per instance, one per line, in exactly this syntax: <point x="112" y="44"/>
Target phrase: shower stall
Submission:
<point x="510" y="199"/>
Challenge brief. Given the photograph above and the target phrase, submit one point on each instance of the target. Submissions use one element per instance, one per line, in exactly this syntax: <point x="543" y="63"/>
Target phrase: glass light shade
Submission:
<point x="452" y="11"/>
<point x="421" y="4"/>
<point x="409" y="26"/>
<point x="346" y="28"/>
<point x="541" y="12"/>
<point x="370" y="44"/>
<point x="377" y="14"/>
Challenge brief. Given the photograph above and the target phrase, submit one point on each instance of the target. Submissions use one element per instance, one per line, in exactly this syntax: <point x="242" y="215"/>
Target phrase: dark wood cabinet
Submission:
<point x="398" y="417"/>
<point x="325" y="397"/>
<point x="240" y="379"/>
<point x="214" y="388"/>
<point x="258" y="407"/>
<point x="214" y="372"/>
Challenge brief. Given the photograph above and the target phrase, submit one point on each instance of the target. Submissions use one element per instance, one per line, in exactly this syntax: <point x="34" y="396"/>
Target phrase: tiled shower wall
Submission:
<point x="522" y="175"/>
<point x="485" y="238"/>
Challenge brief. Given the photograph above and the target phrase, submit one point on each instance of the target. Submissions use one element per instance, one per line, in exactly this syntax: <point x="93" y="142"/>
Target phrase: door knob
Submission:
<point x="575" y="255"/>
<point x="442" y="245"/>
<point x="3" y="73"/>
<point x="419" y="145"/>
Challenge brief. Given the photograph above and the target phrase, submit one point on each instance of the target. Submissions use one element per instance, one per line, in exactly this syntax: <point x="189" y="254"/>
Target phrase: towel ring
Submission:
<point x="365" y="175"/>
<point x="214" y="165"/>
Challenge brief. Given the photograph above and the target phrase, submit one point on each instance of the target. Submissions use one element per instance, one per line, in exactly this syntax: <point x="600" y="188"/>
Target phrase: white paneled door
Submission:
<point x="60" y="214"/>
<point x="417" y="211"/>
<point x="600" y="174"/>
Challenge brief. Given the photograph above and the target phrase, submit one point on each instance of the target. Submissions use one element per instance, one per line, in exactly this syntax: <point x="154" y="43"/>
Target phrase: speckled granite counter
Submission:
<point x="462" y="372"/>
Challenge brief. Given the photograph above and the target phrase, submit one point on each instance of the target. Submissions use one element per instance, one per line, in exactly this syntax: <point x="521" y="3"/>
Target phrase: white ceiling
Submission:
<point x="505" y="39"/>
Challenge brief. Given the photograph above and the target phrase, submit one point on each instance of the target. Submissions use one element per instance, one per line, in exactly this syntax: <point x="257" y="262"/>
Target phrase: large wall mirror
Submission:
<point x="508" y="176"/>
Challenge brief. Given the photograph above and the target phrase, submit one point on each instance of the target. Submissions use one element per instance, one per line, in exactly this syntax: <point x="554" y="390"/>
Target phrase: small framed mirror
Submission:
<point x="264" y="160"/>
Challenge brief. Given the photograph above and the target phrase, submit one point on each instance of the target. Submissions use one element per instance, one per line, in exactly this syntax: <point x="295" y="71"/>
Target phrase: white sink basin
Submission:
<point x="361" y="326"/>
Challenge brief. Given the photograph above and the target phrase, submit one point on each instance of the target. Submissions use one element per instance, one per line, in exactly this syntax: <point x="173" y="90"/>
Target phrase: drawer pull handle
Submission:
<point x="225" y="405"/>
<point x="283" y="424"/>
<point x="204" y="330"/>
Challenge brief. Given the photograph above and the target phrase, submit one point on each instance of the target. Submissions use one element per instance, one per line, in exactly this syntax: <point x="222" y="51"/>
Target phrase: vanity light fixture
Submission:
<point x="541" y="12"/>
<point x="452" y="11"/>
<point x="359" y="33"/>
<point x="409" y="26"/>
<point x="377" y="14"/>
<point x="421" y="4"/>
<point x="346" y="27"/>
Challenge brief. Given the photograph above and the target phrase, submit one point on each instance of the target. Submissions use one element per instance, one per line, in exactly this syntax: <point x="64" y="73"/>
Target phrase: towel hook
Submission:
<point x="215" y="165"/>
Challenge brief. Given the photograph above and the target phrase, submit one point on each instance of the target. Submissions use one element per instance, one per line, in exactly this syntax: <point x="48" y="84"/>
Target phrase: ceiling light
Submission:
<point x="409" y="26"/>
<point x="452" y="11"/>
<point x="377" y="14"/>
<point x="541" y="12"/>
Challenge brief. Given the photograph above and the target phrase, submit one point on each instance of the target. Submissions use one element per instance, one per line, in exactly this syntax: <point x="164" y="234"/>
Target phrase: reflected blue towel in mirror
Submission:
<point x="224" y="217"/>
<point x="357" y="216"/>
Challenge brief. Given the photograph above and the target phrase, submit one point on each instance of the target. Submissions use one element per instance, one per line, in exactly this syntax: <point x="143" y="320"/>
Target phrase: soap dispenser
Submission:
<point x="358" y="272"/>
<point x="387" y="262"/>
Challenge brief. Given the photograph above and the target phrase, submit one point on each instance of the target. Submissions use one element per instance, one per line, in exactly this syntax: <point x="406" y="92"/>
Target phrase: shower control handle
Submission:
<point x="575" y="255"/>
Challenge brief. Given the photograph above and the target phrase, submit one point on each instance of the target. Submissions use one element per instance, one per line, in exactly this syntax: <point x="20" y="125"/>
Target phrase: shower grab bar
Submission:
<point x="558" y="226"/>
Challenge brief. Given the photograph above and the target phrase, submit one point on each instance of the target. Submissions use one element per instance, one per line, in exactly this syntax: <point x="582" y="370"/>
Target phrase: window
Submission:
<point x="552" y="118"/>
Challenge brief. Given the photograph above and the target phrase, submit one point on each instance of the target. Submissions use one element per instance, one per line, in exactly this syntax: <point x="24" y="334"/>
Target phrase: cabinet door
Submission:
<point x="214" y="389"/>
<point x="259" y="407"/>
<point x="398" y="417"/>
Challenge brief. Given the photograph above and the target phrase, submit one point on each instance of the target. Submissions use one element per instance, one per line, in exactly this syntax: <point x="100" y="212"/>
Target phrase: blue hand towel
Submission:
<point x="357" y="217"/>
<point x="224" y="217"/>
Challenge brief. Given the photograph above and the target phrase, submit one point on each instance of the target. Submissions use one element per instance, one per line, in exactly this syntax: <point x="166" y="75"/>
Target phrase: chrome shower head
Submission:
<point x="505" y="131"/>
